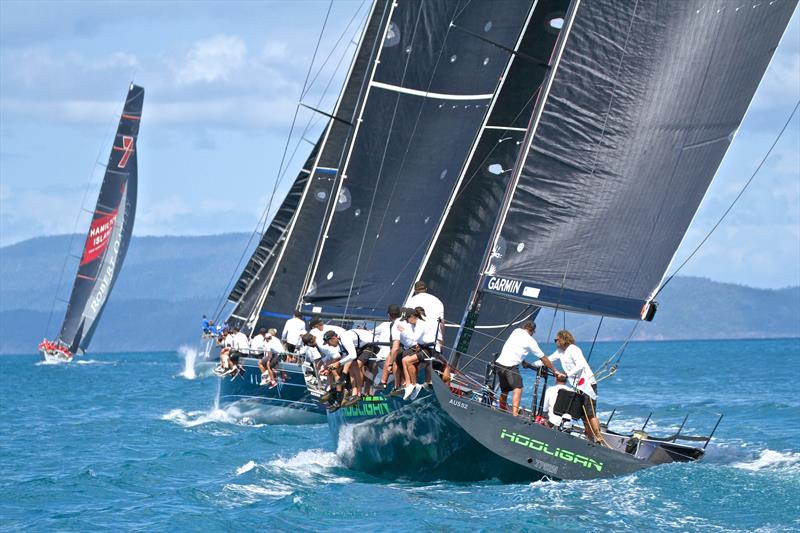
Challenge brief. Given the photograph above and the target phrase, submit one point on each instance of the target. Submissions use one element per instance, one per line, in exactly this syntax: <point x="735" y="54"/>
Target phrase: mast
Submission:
<point x="470" y="318"/>
<point x="109" y="232"/>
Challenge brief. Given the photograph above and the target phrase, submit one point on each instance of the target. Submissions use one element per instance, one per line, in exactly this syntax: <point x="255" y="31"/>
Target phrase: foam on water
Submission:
<point x="248" y="466"/>
<point x="189" y="356"/>
<point x="308" y="465"/>
<point x="771" y="460"/>
<point x="190" y="419"/>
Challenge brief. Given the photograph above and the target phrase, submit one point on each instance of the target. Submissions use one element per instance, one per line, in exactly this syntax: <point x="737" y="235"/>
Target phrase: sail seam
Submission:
<point x="429" y="94"/>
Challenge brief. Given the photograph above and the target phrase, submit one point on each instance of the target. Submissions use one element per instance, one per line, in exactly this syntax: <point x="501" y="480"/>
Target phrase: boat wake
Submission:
<point x="191" y="419"/>
<point x="295" y="475"/>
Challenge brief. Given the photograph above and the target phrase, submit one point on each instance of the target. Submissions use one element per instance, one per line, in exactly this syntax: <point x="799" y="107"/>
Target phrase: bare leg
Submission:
<point x="516" y="396"/>
<point x="410" y="369"/>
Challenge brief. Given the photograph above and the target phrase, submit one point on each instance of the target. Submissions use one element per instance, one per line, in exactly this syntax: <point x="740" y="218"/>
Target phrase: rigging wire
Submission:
<point x="733" y="203"/>
<point x="310" y="124"/>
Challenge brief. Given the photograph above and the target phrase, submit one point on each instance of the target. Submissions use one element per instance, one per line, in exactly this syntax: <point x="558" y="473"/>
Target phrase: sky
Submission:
<point x="222" y="83"/>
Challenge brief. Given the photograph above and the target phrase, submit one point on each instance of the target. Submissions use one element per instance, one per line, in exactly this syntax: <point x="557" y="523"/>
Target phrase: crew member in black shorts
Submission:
<point x="519" y="344"/>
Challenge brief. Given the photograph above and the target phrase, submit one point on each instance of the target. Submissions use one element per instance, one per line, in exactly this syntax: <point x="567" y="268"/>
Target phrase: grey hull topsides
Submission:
<point x="533" y="447"/>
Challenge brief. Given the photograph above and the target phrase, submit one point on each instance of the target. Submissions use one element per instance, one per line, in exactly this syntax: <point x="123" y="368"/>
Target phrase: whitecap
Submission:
<point x="248" y="466"/>
<point x="771" y="460"/>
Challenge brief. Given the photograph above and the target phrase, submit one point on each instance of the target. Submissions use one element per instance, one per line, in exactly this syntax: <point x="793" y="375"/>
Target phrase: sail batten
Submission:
<point x="642" y="108"/>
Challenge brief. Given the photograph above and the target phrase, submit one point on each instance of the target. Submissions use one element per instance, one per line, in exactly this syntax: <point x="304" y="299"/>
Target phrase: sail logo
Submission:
<point x="126" y="149"/>
<point x="511" y="286"/>
<point x="99" y="234"/>
<point x="539" y="446"/>
<point x="102" y="289"/>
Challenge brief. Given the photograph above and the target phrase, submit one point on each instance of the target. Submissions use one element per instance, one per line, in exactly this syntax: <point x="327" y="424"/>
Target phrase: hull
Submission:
<point x="389" y="437"/>
<point x="291" y="402"/>
<point x="54" y="356"/>
<point x="546" y="452"/>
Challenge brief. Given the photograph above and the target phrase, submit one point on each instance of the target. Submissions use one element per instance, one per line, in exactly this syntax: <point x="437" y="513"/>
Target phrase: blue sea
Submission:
<point x="133" y="442"/>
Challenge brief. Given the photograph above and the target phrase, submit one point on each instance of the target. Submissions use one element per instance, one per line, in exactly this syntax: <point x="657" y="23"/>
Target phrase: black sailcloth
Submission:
<point x="452" y="269"/>
<point x="109" y="232"/>
<point x="644" y="103"/>
<point x="427" y="101"/>
<point x="282" y="282"/>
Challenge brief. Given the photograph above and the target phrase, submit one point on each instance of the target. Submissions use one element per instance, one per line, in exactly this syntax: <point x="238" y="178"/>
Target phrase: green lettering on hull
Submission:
<point x="368" y="406"/>
<point x="539" y="446"/>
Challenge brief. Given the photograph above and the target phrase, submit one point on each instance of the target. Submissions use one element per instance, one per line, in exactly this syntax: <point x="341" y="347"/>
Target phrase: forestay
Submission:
<point x="427" y="100"/>
<point x="644" y="102"/>
<point x="281" y="283"/>
<point x="109" y="232"/>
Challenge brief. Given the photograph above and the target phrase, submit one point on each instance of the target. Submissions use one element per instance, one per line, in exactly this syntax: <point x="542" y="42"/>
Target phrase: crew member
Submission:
<point x="519" y="344"/>
<point x="581" y="377"/>
<point x="550" y="397"/>
<point x="292" y="330"/>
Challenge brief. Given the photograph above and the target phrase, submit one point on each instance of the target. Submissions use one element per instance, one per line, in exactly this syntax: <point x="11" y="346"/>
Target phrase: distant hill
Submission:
<point x="168" y="283"/>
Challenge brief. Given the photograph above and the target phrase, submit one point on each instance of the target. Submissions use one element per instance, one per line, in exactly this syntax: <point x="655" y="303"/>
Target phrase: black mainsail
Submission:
<point x="109" y="232"/>
<point x="270" y="287"/>
<point x="439" y="67"/>
<point x="643" y="104"/>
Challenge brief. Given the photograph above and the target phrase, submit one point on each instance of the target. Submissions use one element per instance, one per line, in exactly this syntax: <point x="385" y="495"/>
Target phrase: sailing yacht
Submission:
<point x="542" y="154"/>
<point x="106" y="241"/>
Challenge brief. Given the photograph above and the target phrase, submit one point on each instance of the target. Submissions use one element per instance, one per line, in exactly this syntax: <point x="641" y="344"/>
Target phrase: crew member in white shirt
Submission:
<point x="259" y="342"/>
<point x="292" y="330"/>
<point x="434" y="314"/>
<point x="407" y="333"/>
<point x="581" y="377"/>
<point x="377" y="349"/>
<point x="272" y="348"/>
<point x="550" y="397"/>
<point x="339" y="353"/>
<point x="519" y="345"/>
<point x="317" y="328"/>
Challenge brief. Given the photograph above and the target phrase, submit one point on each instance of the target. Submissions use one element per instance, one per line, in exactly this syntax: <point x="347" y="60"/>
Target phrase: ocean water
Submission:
<point x="133" y="442"/>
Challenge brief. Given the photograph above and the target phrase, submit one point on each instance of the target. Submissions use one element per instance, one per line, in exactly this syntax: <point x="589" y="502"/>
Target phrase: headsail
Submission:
<point x="644" y="102"/>
<point x="109" y="232"/>
<point x="427" y="100"/>
<point x="281" y="282"/>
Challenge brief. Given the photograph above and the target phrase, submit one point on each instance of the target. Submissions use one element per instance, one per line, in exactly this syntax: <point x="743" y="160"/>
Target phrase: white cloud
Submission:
<point x="214" y="59"/>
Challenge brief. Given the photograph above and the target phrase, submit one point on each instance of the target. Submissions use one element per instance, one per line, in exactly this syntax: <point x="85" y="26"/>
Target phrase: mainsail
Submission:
<point x="637" y="115"/>
<point x="438" y="71"/>
<point x="109" y="233"/>
<point x="272" y="299"/>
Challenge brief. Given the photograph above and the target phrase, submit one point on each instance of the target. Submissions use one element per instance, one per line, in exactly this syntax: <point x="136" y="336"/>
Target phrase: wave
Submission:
<point x="771" y="460"/>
